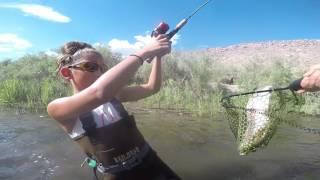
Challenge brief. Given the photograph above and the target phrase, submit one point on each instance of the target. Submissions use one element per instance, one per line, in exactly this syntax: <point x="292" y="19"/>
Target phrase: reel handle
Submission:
<point x="295" y="85"/>
<point x="162" y="28"/>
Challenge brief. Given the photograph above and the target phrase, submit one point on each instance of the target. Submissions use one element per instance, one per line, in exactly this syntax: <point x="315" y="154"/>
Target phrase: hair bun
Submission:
<point x="73" y="46"/>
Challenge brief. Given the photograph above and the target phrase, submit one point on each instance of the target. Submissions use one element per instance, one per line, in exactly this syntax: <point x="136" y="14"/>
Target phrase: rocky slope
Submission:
<point x="297" y="53"/>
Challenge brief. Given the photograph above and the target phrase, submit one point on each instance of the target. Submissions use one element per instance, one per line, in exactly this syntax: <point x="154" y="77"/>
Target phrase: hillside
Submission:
<point x="297" y="53"/>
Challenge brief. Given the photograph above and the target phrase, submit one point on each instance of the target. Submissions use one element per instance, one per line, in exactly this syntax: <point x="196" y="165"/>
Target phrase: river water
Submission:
<point x="33" y="147"/>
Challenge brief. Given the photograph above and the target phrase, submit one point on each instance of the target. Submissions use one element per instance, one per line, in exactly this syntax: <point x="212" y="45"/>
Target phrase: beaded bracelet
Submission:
<point x="139" y="57"/>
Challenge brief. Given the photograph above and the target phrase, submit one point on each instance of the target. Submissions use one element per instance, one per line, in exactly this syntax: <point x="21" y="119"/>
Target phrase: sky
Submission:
<point x="32" y="26"/>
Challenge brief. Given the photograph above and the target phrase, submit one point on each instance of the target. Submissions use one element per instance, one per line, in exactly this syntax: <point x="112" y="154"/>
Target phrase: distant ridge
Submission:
<point x="298" y="53"/>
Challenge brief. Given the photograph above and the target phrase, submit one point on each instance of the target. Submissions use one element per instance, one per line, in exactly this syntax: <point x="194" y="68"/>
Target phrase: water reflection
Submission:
<point x="36" y="148"/>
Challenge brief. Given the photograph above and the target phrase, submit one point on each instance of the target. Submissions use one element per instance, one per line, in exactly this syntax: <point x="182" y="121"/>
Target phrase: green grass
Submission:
<point x="32" y="82"/>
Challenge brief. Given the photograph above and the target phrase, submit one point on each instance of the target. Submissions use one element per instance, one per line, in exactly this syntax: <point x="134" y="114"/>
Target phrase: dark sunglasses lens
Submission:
<point x="90" y="66"/>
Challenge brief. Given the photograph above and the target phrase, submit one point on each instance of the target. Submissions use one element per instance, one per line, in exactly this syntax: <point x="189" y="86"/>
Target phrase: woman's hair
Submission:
<point x="73" y="51"/>
<point x="73" y="46"/>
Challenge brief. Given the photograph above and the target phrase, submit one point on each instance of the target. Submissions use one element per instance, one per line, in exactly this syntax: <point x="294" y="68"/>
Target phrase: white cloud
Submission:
<point x="125" y="47"/>
<point x="50" y="52"/>
<point x="11" y="43"/>
<point x="43" y="12"/>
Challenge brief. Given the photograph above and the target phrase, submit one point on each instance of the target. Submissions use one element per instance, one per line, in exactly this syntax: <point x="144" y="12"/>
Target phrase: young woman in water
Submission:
<point x="95" y="118"/>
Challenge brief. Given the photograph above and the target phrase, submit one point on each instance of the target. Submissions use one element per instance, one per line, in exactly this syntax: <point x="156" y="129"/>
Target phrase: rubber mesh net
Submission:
<point x="253" y="118"/>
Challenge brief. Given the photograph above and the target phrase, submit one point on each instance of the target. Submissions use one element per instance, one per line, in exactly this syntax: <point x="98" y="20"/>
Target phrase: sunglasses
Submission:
<point x="88" y="66"/>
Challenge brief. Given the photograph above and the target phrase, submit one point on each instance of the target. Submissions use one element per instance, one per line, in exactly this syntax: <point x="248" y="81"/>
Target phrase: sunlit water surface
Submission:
<point x="33" y="147"/>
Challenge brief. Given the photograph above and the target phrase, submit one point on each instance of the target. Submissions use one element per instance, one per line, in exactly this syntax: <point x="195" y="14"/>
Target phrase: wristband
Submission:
<point x="139" y="57"/>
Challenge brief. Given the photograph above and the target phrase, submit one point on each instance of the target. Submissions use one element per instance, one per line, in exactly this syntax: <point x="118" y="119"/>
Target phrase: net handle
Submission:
<point x="293" y="86"/>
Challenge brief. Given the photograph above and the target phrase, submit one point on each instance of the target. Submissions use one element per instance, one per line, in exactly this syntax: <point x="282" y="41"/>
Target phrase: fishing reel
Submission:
<point x="162" y="28"/>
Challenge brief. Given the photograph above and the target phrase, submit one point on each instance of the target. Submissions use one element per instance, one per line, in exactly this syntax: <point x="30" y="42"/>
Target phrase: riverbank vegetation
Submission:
<point x="191" y="82"/>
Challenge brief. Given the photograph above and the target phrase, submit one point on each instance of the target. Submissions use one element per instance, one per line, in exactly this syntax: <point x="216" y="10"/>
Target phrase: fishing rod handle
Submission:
<point x="295" y="85"/>
<point x="181" y="23"/>
<point x="177" y="28"/>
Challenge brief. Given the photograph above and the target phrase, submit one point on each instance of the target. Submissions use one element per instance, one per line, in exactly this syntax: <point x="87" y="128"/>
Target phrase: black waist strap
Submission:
<point x="128" y="164"/>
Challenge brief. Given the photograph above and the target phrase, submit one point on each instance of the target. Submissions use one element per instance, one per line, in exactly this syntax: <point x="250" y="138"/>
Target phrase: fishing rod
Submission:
<point x="163" y="27"/>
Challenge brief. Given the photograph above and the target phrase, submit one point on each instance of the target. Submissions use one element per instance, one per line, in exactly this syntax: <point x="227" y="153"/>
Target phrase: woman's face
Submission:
<point x="87" y="70"/>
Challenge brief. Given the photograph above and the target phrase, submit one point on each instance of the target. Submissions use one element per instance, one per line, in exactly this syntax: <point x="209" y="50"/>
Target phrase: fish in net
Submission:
<point x="254" y="116"/>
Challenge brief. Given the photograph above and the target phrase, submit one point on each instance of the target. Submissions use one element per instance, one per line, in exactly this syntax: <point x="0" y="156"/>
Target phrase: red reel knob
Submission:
<point x="162" y="28"/>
